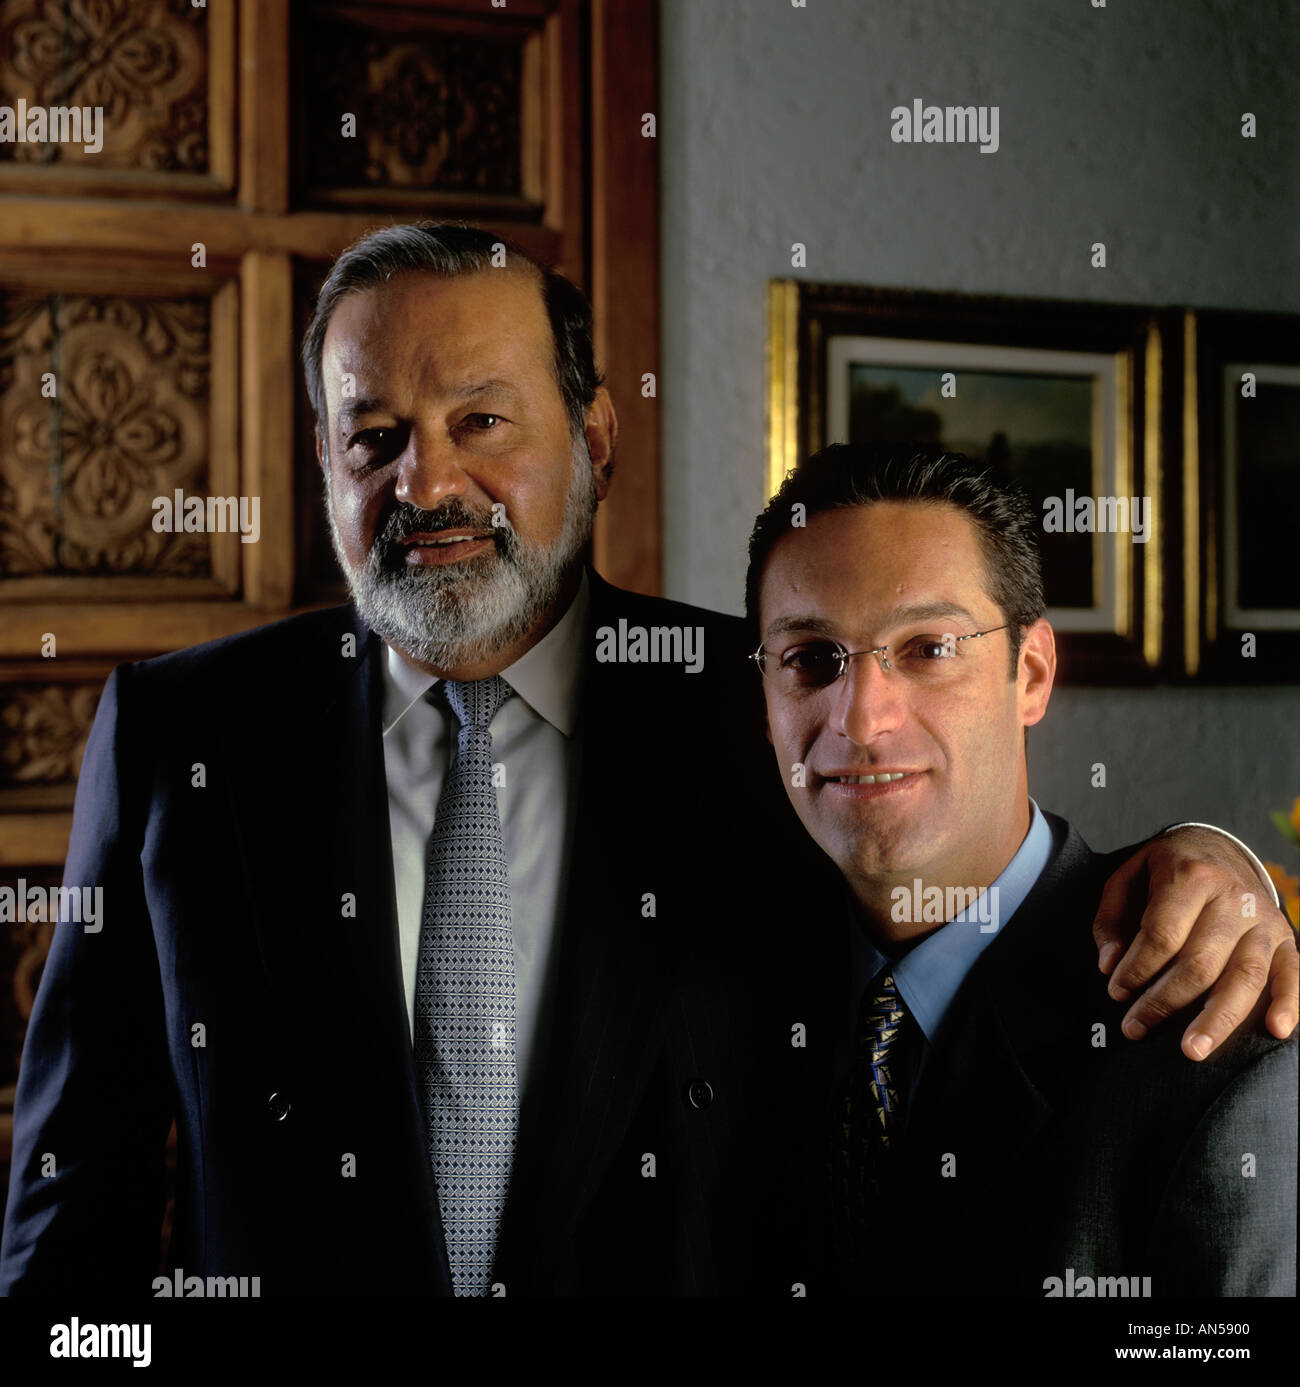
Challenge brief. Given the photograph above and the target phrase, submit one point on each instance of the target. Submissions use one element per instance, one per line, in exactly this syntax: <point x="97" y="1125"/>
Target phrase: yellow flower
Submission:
<point x="1295" y="818"/>
<point x="1288" y="888"/>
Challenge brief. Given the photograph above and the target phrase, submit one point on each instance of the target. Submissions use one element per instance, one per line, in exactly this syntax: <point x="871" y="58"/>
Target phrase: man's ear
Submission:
<point x="1037" y="671"/>
<point x="320" y="451"/>
<point x="601" y="429"/>
<point x="767" y="717"/>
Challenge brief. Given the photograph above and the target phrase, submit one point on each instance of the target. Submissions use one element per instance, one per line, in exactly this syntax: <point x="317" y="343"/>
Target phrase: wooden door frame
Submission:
<point x="623" y="279"/>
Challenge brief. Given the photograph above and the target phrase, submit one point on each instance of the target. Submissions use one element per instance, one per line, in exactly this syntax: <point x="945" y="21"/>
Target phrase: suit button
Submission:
<point x="700" y="1093"/>
<point x="278" y="1106"/>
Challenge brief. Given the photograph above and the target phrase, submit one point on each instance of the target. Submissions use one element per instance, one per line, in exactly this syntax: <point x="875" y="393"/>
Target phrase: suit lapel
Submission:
<point x="976" y="1104"/>
<point x="311" y="802"/>
<point x="365" y="965"/>
<point x="981" y="1104"/>
<point x="607" y="1015"/>
<point x="311" y="805"/>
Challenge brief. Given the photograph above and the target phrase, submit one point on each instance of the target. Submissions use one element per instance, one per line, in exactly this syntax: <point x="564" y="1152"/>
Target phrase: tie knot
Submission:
<point x="475" y="703"/>
<point x="886" y="993"/>
<point x="887" y="1008"/>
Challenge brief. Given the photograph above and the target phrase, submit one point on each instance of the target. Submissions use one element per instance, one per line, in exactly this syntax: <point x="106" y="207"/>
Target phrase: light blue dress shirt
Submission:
<point x="930" y="974"/>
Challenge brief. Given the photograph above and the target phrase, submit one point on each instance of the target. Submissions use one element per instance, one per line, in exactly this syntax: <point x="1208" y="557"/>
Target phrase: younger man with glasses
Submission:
<point x="983" y="1133"/>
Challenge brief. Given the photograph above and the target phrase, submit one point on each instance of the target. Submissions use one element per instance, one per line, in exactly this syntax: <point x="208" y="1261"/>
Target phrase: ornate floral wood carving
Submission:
<point x="43" y="731"/>
<point x="143" y="61"/>
<point x="435" y="110"/>
<point x="126" y="422"/>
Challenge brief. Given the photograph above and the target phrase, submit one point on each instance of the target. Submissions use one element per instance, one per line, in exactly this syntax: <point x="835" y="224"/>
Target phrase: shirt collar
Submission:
<point x="547" y="676"/>
<point x="929" y="976"/>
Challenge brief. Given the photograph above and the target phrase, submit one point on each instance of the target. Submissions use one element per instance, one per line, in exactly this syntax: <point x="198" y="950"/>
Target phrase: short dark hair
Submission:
<point x="449" y="249"/>
<point x="844" y="475"/>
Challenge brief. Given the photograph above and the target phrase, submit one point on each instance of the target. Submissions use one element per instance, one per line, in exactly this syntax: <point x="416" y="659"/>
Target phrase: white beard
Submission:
<point x="466" y="612"/>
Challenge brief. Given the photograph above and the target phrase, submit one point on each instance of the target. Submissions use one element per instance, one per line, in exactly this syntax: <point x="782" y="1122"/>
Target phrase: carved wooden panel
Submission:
<point x="401" y="105"/>
<point x="147" y="67"/>
<point x="103" y="406"/>
<point x="43" y="731"/>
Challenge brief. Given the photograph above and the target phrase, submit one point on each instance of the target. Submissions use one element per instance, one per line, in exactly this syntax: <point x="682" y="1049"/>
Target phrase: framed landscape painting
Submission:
<point x="1242" y="596"/>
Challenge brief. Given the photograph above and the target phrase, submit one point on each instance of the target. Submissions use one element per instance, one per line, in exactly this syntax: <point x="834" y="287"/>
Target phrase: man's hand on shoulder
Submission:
<point x="1208" y="927"/>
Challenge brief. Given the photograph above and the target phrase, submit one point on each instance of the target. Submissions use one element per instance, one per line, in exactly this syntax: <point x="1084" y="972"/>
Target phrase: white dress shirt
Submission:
<point x="534" y="738"/>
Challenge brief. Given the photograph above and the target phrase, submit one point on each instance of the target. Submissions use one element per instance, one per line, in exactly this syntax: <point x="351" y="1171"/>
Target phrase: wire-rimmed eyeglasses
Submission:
<point x="818" y="663"/>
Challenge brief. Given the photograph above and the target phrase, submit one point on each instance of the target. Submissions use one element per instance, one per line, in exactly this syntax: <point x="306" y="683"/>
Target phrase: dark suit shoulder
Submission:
<point x="1044" y="974"/>
<point x="287" y="666"/>
<point x="1087" y="1150"/>
<point x="609" y="603"/>
<point x="277" y="644"/>
<point x="703" y="662"/>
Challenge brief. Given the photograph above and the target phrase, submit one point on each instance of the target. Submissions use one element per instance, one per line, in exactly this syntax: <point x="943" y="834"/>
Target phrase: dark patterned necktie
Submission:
<point x="867" y="1117"/>
<point x="465" y="996"/>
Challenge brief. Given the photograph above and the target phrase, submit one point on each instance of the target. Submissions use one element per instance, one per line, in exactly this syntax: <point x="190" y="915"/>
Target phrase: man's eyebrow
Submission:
<point x="925" y="611"/>
<point x="798" y="623"/>
<point x="495" y="386"/>
<point x="899" y="616"/>
<point x="354" y="409"/>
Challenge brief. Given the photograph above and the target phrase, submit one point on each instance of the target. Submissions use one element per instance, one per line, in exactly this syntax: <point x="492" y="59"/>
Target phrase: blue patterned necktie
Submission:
<point x="868" y="1117"/>
<point x="465" y="996"/>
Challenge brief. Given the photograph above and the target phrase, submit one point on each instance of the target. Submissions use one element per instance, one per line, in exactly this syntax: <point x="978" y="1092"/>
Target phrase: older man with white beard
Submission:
<point x="435" y="932"/>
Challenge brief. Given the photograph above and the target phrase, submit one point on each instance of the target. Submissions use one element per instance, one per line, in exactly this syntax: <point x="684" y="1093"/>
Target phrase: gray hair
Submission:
<point x="449" y="249"/>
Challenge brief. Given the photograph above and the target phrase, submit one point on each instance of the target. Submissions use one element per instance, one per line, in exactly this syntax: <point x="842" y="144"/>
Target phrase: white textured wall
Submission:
<point x="1119" y="124"/>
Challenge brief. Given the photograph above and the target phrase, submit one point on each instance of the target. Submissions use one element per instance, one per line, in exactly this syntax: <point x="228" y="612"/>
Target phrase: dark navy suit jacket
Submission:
<point x="1042" y="1145"/>
<point x="231" y="799"/>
